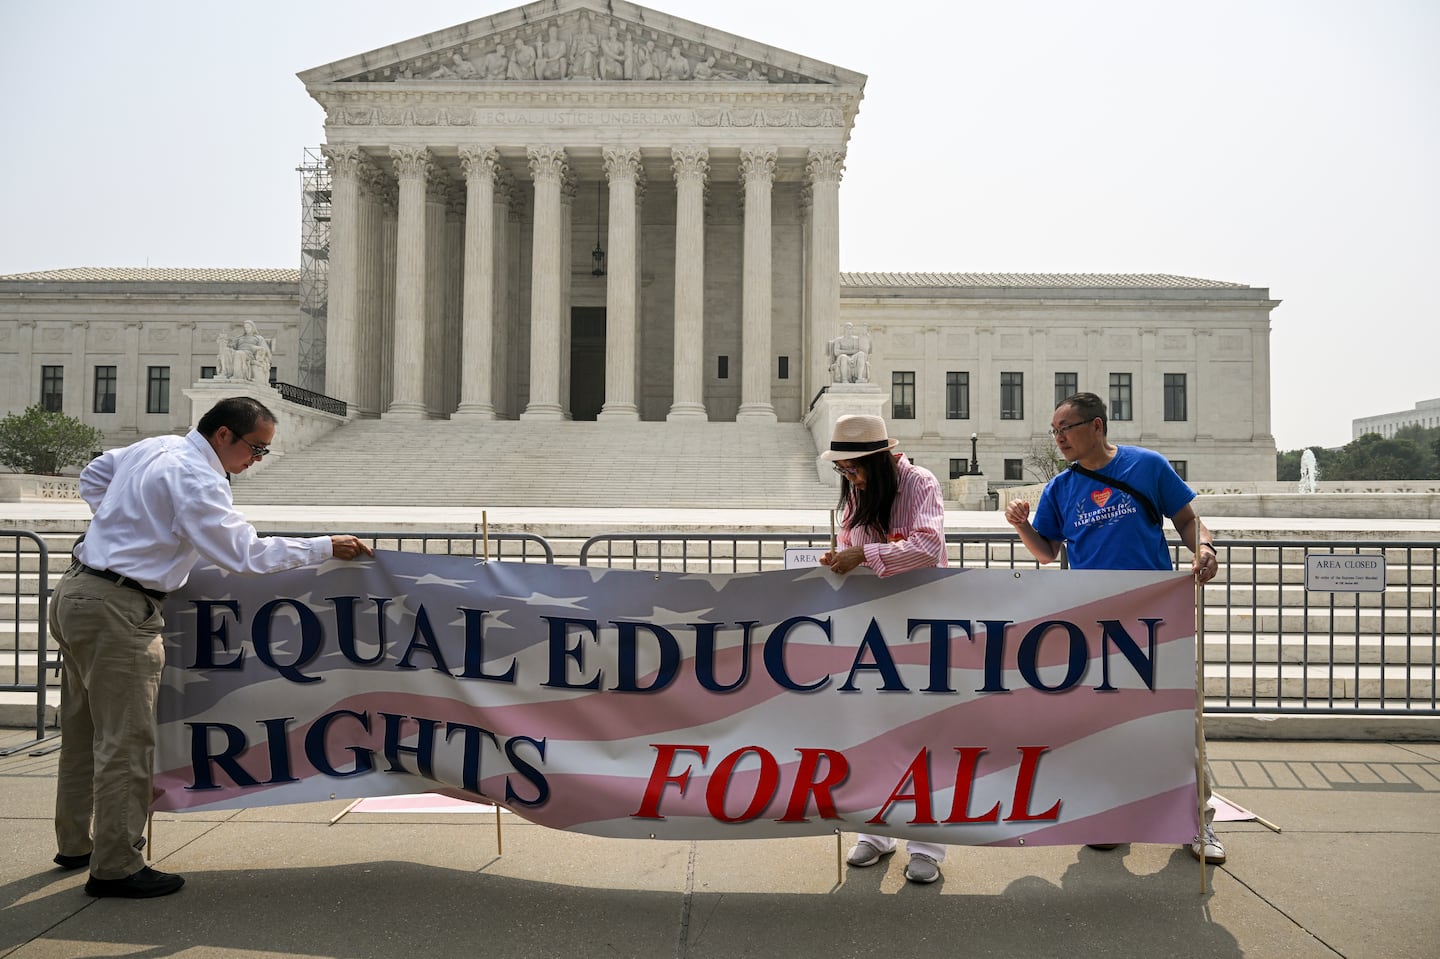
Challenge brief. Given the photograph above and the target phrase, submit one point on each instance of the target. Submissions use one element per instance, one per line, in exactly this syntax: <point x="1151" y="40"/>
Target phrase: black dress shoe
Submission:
<point x="72" y="862"/>
<point x="145" y="884"/>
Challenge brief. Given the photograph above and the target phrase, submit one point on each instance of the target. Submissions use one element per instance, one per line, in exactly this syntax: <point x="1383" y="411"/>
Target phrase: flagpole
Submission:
<point x="1200" y="720"/>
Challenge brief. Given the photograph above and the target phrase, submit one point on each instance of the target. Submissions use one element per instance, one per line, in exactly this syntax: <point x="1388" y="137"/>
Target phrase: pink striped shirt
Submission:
<point x="917" y="525"/>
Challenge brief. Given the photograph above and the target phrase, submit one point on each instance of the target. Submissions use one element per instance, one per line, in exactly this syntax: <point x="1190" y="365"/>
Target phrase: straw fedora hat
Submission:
<point x="856" y="436"/>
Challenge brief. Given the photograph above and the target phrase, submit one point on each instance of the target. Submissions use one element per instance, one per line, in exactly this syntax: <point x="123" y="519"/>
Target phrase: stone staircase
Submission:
<point x="508" y="463"/>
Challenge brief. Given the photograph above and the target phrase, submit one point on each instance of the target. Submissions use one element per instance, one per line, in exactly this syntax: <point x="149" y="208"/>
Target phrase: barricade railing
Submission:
<point x="1271" y="645"/>
<point x="26" y="653"/>
<point x="501" y="547"/>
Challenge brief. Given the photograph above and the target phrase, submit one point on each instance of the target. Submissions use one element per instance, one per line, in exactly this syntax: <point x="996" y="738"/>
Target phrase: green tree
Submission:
<point x="41" y="441"/>
<point x="1043" y="461"/>
<point x="1374" y="457"/>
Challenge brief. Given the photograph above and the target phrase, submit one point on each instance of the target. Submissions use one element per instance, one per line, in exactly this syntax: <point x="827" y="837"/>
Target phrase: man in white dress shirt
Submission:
<point x="160" y="505"/>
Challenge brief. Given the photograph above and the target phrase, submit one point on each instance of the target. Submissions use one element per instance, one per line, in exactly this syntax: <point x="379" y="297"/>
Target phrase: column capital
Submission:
<point x="622" y="163"/>
<point x="547" y="162"/>
<point x="825" y="165"/>
<point x="412" y="163"/>
<point x="504" y="186"/>
<point x="690" y="161"/>
<point x="438" y="186"/>
<point x="477" y="162"/>
<point x="374" y="183"/>
<point x="757" y="164"/>
<point x="569" y="186"/>
<point x="344" y="161"/>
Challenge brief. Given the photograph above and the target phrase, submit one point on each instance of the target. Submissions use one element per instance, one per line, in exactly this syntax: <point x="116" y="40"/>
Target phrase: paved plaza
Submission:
<point x="1351" y="874"/>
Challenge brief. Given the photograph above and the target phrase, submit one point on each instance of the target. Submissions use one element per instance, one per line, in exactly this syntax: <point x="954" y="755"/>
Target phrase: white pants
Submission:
<point x="887" y="843"/>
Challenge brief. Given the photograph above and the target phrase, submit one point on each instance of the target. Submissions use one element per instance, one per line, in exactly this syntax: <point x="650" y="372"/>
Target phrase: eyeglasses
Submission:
<point x="1056" y="431"/>
<point x="259" y="452"/>
<point x="846" y="470"/>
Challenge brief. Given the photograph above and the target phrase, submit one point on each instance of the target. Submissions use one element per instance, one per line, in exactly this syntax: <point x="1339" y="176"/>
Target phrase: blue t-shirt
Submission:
<point x="1104" y="527"/>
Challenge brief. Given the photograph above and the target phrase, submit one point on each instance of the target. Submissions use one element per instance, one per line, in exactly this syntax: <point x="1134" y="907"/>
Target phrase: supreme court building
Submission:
<point x="590" y="210"/>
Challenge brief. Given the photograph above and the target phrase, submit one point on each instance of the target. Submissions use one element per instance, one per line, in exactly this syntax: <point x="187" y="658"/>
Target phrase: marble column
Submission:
<point x="454" y="295"/>
<point x="389" y="246"/>
<point x="412" y="169"/>
<point x="757" y="171"/>
<point x="370" y="295"/>
<point x="691" y="166"/>
<point x="502" y="354"/>
<point x="568" y="190"/>
<point x="621" y="167"/>
<point x="342" y="334"/>
<point x="436" y="203"/>
<point x="477" y="337"/>
<point x="547" y="169"/>
<point x="824" y="168"/>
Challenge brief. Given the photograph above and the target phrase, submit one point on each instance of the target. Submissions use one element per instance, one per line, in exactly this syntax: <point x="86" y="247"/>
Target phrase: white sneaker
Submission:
<point x="1208" y="847"/>
<point x="864" y="854"/>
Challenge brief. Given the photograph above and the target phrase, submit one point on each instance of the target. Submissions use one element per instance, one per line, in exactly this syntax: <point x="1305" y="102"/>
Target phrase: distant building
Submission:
<point x="1426" y="413"/>
<point x="617" y="237"/>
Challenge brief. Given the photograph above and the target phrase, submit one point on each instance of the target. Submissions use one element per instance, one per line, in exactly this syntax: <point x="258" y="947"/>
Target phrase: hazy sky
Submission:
<point x="1286" y="144"/>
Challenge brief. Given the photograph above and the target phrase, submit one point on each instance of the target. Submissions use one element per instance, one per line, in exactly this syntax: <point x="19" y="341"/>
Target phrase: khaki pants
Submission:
<point x="113" y="655"/>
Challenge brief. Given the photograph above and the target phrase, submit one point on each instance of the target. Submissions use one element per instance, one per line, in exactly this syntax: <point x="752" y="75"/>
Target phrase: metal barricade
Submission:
<point x="1287" y="648"/>
<point x="1270" y="645"/>
<point x="24" y="647"/>
<point x="501" y="547"/>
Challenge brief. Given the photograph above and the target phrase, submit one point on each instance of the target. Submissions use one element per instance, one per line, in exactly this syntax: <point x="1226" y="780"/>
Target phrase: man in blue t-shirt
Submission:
<point x="1107" y="512"/>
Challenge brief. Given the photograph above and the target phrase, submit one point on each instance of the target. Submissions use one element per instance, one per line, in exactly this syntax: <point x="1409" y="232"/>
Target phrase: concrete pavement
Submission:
<point x="1351" y="875"/>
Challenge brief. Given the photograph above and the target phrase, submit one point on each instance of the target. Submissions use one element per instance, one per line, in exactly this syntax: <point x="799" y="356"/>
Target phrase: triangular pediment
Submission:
<point x="580" y="41"/>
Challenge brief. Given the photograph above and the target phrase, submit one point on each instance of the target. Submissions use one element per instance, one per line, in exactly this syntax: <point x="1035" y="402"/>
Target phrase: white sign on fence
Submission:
<point x="804" y="557"/>
<point x="1336" y="573"/>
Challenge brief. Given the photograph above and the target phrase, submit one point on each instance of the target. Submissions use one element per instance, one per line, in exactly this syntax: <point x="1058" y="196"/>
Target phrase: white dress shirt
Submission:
<point x="162" y="503"/>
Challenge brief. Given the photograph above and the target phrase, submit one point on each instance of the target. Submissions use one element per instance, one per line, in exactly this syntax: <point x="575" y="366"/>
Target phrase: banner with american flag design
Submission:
<point x="973" y="707"/>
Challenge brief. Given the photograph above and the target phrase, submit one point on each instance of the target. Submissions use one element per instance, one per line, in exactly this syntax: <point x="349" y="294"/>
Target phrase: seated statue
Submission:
<point x="495" y="65"/>
<point x="849" y="357"/>
<point x="249" y="356"/>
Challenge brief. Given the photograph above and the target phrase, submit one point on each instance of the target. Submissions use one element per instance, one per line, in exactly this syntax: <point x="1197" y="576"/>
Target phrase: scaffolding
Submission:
<point x="314" y="267"/>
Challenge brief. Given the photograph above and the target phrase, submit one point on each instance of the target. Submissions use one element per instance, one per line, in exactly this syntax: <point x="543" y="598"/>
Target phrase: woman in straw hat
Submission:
<point x="893" y="520"/>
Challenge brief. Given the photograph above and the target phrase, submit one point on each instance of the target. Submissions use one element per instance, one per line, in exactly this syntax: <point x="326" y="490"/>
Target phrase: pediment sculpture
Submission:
<point x="582" y="45"/>
<point x="245" y="356"/>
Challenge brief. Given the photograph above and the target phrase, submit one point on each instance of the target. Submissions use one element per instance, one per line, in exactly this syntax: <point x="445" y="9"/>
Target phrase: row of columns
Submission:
<point x="358" y="327"/>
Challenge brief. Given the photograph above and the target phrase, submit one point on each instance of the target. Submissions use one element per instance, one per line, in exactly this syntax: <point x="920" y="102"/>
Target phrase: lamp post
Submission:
<point x="974" y="457"/>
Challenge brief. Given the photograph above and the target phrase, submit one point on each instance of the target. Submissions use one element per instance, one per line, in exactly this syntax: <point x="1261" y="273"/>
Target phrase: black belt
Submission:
<point x="115" y="577"/>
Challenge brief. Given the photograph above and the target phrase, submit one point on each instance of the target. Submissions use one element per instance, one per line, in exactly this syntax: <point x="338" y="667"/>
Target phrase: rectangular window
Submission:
<point x="1014" y="469"/>
<point x="104" y="389"/>
<point x="52" y="388"/>
<point x="902" y="395"/>
<point x="1120" y="408"/>
<point x="157" y="390"/>
<point x="207" y="372"/>
<point x="784" y="367"/>
<point x="1179" y="467"/>
<point x="957" y="396"/>
<point x="1012" y="396"/>
<point x="1175" y="411"/>
<point x="1066" y="386"/>
<point x="959" y="466"/>
<point x="722" y="369"/>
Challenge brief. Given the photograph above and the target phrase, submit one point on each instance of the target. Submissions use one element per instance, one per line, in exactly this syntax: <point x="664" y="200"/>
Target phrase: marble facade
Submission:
<point x="472" y="172"/>
<point x="706" y="166"/>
